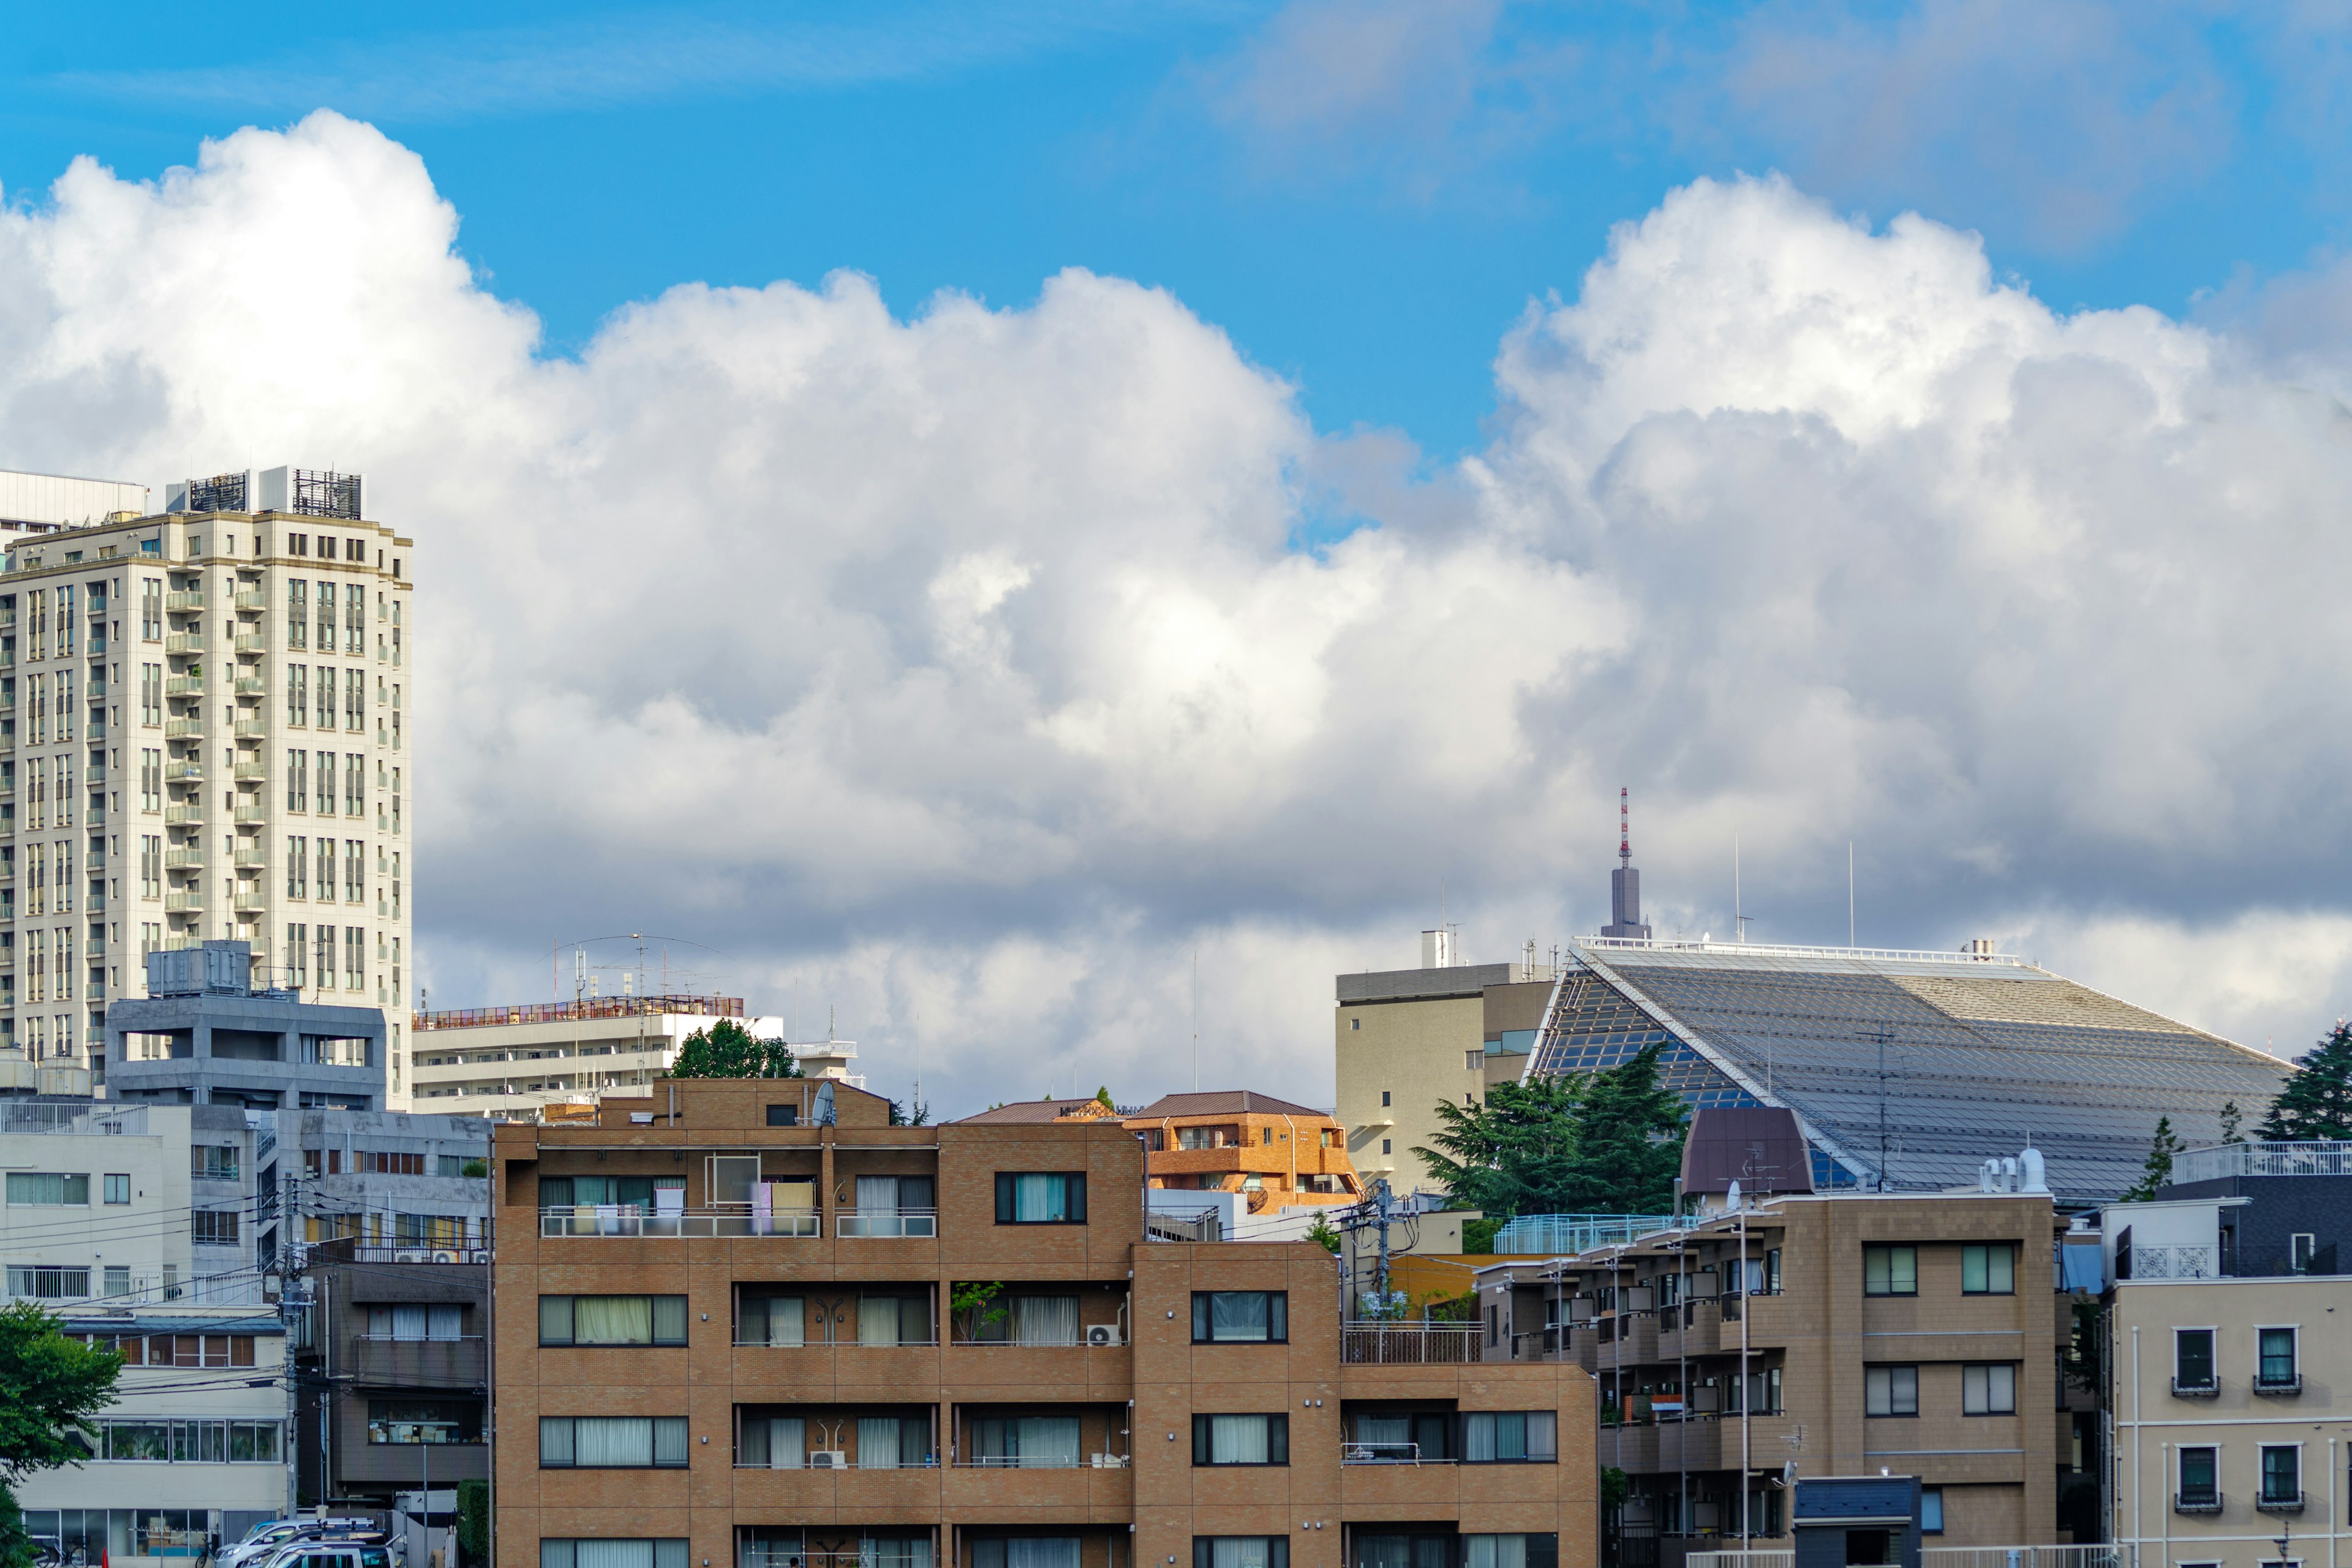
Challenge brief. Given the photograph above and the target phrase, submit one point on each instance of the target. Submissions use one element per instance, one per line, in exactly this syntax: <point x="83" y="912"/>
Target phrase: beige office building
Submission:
<point x="204" y="732"/>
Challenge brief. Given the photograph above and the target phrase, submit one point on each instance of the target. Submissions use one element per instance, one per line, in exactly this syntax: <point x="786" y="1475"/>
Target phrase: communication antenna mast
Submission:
<point x="1884" y="1037"/>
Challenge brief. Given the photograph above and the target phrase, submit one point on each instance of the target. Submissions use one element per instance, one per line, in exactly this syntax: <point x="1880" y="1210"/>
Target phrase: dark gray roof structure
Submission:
<point x="1905" y="1069"/>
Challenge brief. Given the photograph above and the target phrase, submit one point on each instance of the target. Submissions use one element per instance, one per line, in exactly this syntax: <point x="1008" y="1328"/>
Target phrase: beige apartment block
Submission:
<point x="205" y="726"/>
<point x="547" y="1060"/>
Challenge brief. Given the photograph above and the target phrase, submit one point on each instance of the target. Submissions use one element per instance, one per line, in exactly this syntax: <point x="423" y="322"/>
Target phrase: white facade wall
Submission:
<point x="47" y="1246"/>
<point x="510" y="1069"/>
<point x="165" y="745"/>
<point x="57" y="499"/>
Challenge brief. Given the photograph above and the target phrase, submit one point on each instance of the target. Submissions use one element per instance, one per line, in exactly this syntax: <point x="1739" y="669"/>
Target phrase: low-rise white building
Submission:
<point x="512" y="1063"/>
<point x="191" y="1454"/>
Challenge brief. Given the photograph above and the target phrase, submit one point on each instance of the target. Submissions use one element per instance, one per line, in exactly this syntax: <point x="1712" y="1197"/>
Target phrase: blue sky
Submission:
<point x="1365" y="197"/>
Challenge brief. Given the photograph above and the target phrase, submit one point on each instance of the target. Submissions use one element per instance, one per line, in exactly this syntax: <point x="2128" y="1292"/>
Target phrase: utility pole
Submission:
<point x="291" y="1303"/>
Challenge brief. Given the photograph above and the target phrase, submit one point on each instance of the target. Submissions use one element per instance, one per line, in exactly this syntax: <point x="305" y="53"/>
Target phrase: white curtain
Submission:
<point x="1036" y="1198"/>
<point x="612" y="1440"/>
<point x="1056" y="1552"/>
<point x="1543" y="1426"/>
<point x="787" y="1444"/>
<point x="1238" y="1439"/>
<point x="1496" y="1551"/>
<point x="905" y="1553"/>
<point x="1384" y="1430"/>
<point x="447" y="1323"/>
<point x="611" y="1320"/>
<point x="1238" y="1315"/>
<point x="1044" y="1319"/>
<point x="878" y="1319"/>
<point x="1046" y="1442"/>
<point x="614" y="1553"/>
<point x="1251" y="1552"/>
<point x="877" y="1194"/>
<point x="878" y="1442"/>
<point x="409" y="1322"/>
<point x="787" y="1321"/>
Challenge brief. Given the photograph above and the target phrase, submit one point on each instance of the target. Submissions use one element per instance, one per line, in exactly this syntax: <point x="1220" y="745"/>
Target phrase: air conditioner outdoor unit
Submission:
<point x="828" y="1460"/>
<point x="445" y="1258"/>
<point x="1103" y="1334"/>
<point x="1110" y="1461"/>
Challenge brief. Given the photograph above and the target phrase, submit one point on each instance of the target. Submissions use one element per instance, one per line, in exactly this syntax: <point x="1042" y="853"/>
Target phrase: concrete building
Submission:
<point x="204" y="727"/>
<point x="205" y="1034"/>
<point x="190" y="1454"/>
<point x="1811" y="1335"/>
<point x="1273" y="1154"/>
<point x="513" y="1063"/>
<point x="2229" y="1363"/>
<point x="724" y="1333"/>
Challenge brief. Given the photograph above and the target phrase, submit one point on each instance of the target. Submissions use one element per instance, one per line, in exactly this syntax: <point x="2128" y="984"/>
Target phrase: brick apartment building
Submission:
<point x="726" y="1336"/>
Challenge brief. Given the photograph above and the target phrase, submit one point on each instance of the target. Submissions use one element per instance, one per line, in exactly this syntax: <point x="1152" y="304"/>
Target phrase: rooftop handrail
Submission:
<point x="588" y="1007"/>
<point x="1791" y="950"/>
<point x="2321" y="1157"/>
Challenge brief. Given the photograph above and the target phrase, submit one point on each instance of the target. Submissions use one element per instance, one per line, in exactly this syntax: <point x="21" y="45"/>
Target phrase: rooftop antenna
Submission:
<point x="1739" y="921"/>
<point x="1884" y="1037"/>
<point x="1624" y="827"/>
<point x="1849" y="892"/>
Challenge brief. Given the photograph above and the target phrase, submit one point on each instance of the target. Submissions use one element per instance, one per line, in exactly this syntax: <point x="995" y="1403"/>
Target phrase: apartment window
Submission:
<point x="298" y="867"/>
<point x="1989" y="1388"/>
<point x="602" y="1551"/>
<point x="297" y="946"/>
<point x="48" y="1190"/>
<point x="216" y="1228"/>
<point x="611" y="1320"/>
<point x="2192" y="1358"/>
<point x="1931" y="1511"/>
<point x="1890" y="1391"/>
<point x="298" y="694"/>
<point x="2282" y="1472"/>
<point x="1240" y="1317"/>
<point x="2200" y="1486"/>
<point x="2302" y="1249"/>
<point x="1384" y="1098"/>
<point x="1041" y="1197"/>
<point x="355" y="702"/>
<point x="1989" y="1270"/>
<point x="325" y="640"/>
<point x="1355" y="1022"/>
<point x="1890" y="1271"/>
<point x="117" y="1187"/>
<point x="297" y="612"/>
<point x="2275" y="1363"/>
<point x="322" y="956"/>
<point x="45" y="1283"/>
<point x="1241" y="1439"/>
<point x="405" y="1421"/>
<point x="1386" y="1146"/>
<point x="213" y="1162"/>
<point x="355" y="957"/>
<point x="612" y="1442"/>
<point x="151" y="694"/>
<point x="417" y="1320"/>
<point x="188" y="1442"/>
<point x="1241" y="1552"/>
<point x="150" y="780"/>
<point x="354" y="784"/>
<point x="354" y="871"/>
<point x="1510" y="1436"/>
<point x="298" y="781"/>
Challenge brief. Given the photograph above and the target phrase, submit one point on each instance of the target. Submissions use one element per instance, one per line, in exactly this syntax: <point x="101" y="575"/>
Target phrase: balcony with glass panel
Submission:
<point x="749" y="1198"/>
<point x="1033" y="1333"/>
<point x="1042" y="1457"/>
<point x="837" y="1546"/>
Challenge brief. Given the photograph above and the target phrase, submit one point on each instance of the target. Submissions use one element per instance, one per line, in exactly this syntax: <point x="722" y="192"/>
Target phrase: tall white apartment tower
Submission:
<point x="206" y="718"/>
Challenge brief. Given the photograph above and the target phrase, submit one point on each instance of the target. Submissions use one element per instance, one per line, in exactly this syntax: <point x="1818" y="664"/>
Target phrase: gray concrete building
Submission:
<point x="205" y="1035"/>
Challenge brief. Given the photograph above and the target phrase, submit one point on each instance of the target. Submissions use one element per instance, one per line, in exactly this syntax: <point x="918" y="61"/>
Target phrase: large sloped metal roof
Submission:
<point x="1909" y="1067"/>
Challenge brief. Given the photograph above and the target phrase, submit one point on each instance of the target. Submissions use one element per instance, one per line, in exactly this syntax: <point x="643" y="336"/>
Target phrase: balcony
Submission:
<point x="184" y="686"/>
<point x="184" y="599"/>
<point x="249" y="773"/>
<point x="184" y="773"/>
<point x="2278" y="1502"/>
<point x="189" y="729"/>
<point x="251" y="860"/>
<point x="2183" y="1261"/>
<point x="888" y="1223"/>
<point x="184" y="902"/>
<point x="628" y="1220"/>
<point x="417" y="1363"/>
<point x="253" y="600"/>
<point x="2278" y="1384"/>
<point x="2196" y="1503"/>
<point x="186" y="642"/>
<point x="252" y="729"/>
<point x="251" y="645"/>
<point x="1407" y="1343"/>
<point x="252" y="686"/>
<point x="2208" y="1387"/>
<point x="248" y="816"/>
<point x="192" y="814"/>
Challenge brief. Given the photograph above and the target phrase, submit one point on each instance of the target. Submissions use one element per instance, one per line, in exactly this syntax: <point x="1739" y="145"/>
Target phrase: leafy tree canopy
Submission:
<point x="2317" y="1101"/>
<point x="49" y="1388"/>
<point x="727" y="1049"/>
<point x="1603" y="1142"/>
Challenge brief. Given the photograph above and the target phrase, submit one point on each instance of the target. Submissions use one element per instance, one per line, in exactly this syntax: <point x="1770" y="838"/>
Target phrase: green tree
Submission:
<point x="49" y="1388"/>
<point x="1478" y="1235"/>
<point x="920" y="1116"/>
<point x="727" y="1049"/>
<point x="1629" y="1141"/>
<point x="1321" y="1234"/>
<point x="1102" y="1097"/>
<point x="1604" y="1143"/>
<point x="474" y="1519"/>
<point x="2161" y="1148"/>
<point x="2317" y="1100"/>
<point x="2232" y="1117"/>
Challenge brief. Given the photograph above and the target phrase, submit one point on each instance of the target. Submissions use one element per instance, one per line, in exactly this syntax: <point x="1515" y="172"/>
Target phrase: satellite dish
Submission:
<point x="824" y="1116"/>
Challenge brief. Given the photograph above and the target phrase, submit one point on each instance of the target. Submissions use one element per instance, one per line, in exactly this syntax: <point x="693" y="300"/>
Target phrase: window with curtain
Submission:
<point x="417" y="1321"/>
<point x="771" y="1442"/>
<point x="1989" y="1388"/>
<point x="1044" y="1319"/>
<point x="895" y="1551"/>
<point x="611" y="1320"/>
<point x="2282" y="1473"/>
<point x="585" y="1551"/>
<point x="1041" y="1197"/>
<point x="1248" y="1440"/>
<point x="1890" y="1391"/>
<point x="774" y="1321"/>
<point x="2275" y="1365"/>
<point x="612" y="1442"/>
<point x="1890" y="1271"/>
<point x="893" y="1321"/>
<point x="1240" y="1317"/>
<point x="1404" y="1551"/>
<point x="1530" y="1551"/>
<point x="1241" y="1552"/>
<point x="893" y="1442"/>
<point x="1026" y="1442"/>
<point x="1509" y="1436"/>
<point x="1989" y="1270"/>
<point x="1027" y="1551"/>
<point x="2192" y="1358"/>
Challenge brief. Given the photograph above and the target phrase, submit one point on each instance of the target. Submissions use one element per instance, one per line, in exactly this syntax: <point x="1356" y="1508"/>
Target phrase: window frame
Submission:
<point x="1527" y="1443"/>
<point x="2262" y="1471"/>
<point x="653" y="1340"/>
<point x="677" y="1423"/>
<point x="1892" y="1370"/>
<point x="1074" y="1197"/>
<point x="2294" y="1333"/>
<point x="1983" y="1259"/>
<point x="1937" y="1493"/>
<point x="1986" y="1368"/>
<point x="2212" y="1355"/>
<point x="1277" y="1441"/>
<point x="2211" y="1493"/>
<point x="1887" y="1250"/>
<point x="1278" y="1317"/>
<point x="1277" y="1553"/>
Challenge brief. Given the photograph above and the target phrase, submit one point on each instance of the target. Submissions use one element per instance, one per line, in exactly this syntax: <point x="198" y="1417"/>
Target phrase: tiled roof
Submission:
<point x="1224" y="1102"/>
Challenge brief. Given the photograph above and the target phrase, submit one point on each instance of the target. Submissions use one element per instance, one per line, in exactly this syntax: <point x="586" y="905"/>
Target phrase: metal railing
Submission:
<point x="1787" y="950"/>
<point x="1383" y="1454"/>
<point x="887" y="1222"/>
<point x="2196" y="1503"/>
<point x="567" y="1012"/>
<point x="629" y="1220"/>
<point x="2102" y="1556"/>
<point x="1750" y="1559"/>
<point x="869" y="1554"/>
<point x="2267" y="1501"/>
<point x="1409" y="1343"/>
<point x="1563" y="1234"/>
<point x="2328" y="1158"/>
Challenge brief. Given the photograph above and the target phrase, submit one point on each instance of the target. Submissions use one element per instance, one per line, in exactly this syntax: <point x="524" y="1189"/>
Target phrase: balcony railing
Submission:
<point x="929" y="1462"/>
<point x="1409" y="1343"/>
<point x="2278" y="1383"/>
<point x="629" y="1220"/>
<point x="1383" y="1454"/>
<point x="2278" y="1502"/>
<point x="887" y="1222"/>
<point x="2027" y="1557"/>
<point x="2196" y="1388"/>
<point x="2273" y="1159"/>
<point x="2181" y="1261"/>
<point x="2196" y="1503"/>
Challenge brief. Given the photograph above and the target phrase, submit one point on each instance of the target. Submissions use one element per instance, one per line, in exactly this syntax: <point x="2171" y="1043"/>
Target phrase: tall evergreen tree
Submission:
<point x="1629" y="1141"/>
<point x="2161" y="1148"/>
<point x="1604" y="1143"/>
<point x="727" y="1049"/>
<point x="2317" y="1101"/>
